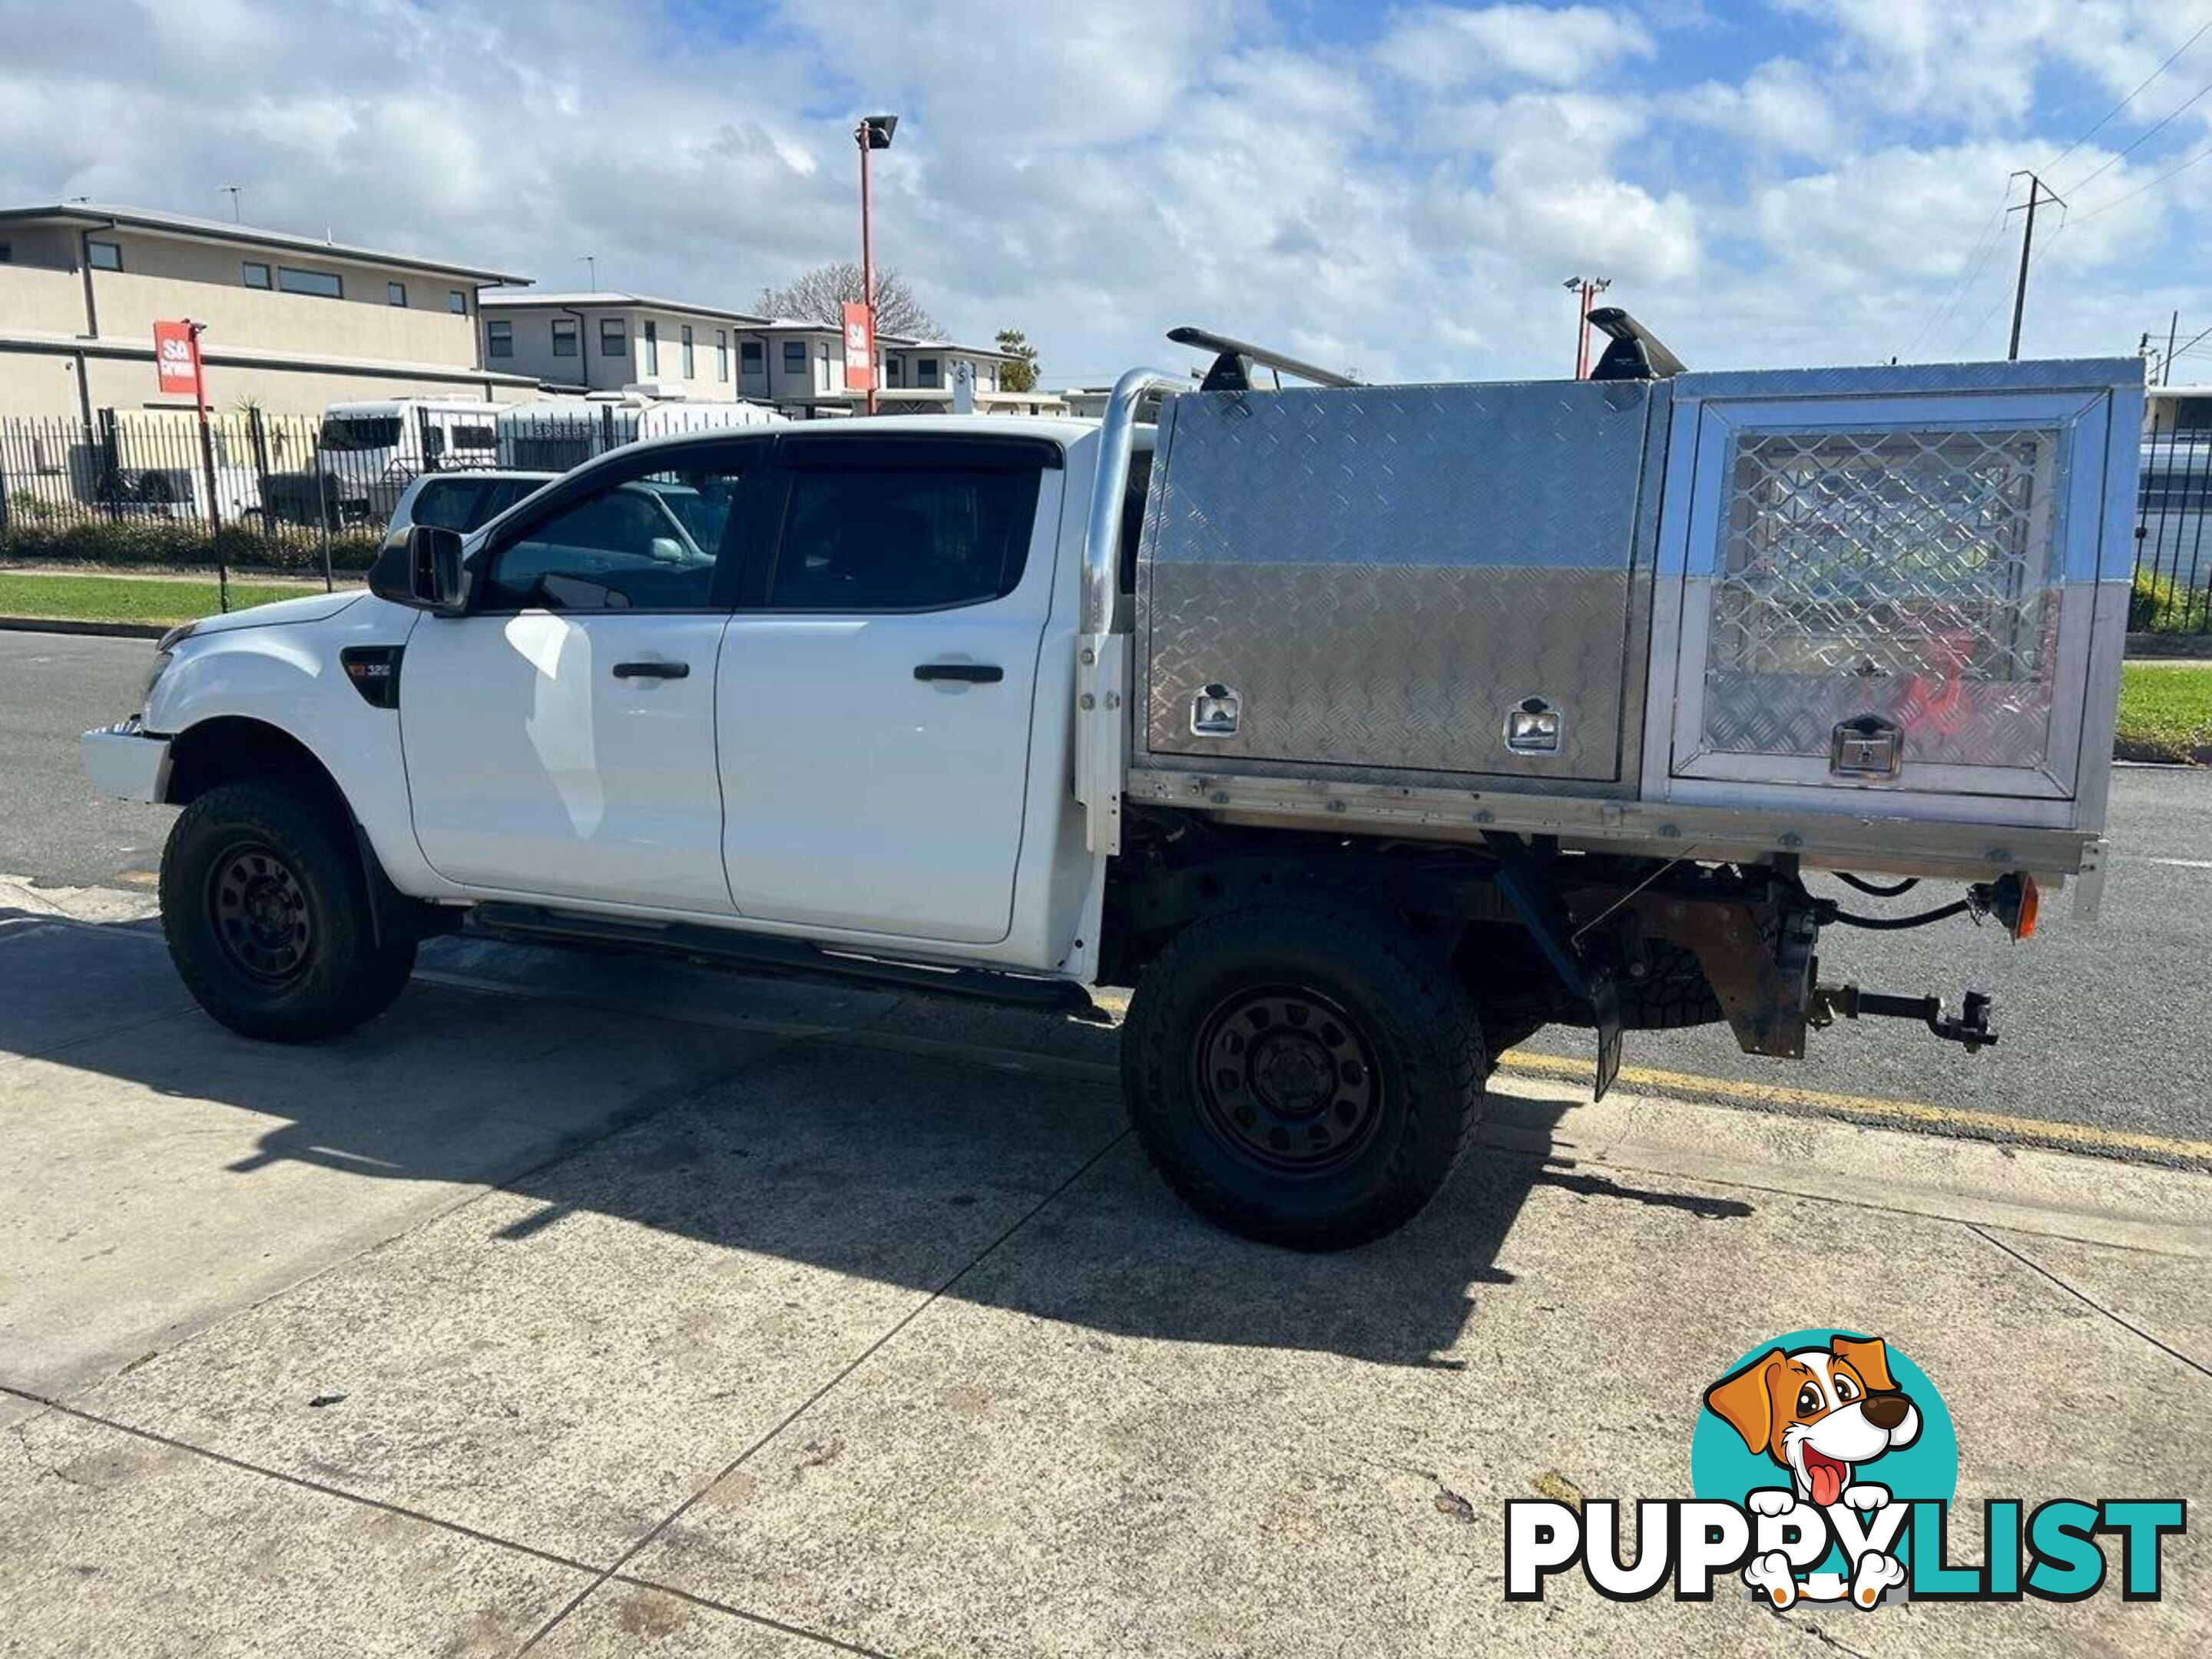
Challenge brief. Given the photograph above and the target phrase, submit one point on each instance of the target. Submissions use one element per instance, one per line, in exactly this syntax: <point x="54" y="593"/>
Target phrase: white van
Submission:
<point x="371" y="450"/>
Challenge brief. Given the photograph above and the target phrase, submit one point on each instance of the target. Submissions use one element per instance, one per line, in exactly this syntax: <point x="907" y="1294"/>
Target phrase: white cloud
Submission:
<point x="1442" y="47"/>
<point x="1403" y="195"/>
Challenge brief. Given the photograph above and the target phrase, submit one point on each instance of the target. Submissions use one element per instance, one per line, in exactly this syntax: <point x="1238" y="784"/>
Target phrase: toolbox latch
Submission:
<point x="1216" y="711"/>
<point x="1868" y="747"/>
<point x="1535" y="725"/>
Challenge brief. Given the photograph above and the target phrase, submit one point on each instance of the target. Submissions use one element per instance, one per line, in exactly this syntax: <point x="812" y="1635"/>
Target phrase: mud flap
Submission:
<point x="1536" y="900"/>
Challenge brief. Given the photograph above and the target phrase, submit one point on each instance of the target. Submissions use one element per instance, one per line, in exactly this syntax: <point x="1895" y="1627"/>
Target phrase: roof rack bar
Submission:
<point x="1232" y="365"/>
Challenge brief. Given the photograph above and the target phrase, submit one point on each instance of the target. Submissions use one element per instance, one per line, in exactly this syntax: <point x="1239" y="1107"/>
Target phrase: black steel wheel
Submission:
<point x="259" y="913"/>
<point x="1302" y="1069"/>
<point x="1287" y="1080"/>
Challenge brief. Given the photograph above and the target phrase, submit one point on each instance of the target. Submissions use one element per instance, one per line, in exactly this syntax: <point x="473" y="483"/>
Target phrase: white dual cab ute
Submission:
<point x="1361" y="730"/>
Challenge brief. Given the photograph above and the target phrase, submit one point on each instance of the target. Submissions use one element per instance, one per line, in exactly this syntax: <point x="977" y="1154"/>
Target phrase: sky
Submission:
<point x="1396" y="191"/>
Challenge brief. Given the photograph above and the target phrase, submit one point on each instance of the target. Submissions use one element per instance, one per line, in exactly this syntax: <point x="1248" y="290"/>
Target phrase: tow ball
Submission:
<point x="1969" y="1027"/>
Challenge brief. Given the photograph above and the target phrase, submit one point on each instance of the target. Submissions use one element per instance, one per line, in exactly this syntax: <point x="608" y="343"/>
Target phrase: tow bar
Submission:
<point x="1971" y="1027"/>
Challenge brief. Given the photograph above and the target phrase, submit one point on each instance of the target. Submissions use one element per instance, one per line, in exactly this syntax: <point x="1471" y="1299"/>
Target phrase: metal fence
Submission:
<point x="2173" y="551"/>
<point x="314" y="492"/>
<point x="289" y="491"/>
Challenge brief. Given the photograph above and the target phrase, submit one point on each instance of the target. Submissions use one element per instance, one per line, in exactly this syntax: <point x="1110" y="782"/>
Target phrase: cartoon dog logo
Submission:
<point x="1823" y="1415"/>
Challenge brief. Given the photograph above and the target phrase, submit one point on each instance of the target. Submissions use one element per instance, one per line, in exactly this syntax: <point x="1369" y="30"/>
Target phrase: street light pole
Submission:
<point x="1586" y="289"/>
<point x="867" y="263"/>
<point x="873" y="133"/>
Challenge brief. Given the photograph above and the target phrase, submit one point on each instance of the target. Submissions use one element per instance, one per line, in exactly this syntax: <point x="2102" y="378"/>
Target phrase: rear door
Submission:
<point x="878" y="683"/>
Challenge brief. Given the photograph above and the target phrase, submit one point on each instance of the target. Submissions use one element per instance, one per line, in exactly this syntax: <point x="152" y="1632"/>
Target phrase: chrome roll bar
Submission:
<point x="1102" y="612"/>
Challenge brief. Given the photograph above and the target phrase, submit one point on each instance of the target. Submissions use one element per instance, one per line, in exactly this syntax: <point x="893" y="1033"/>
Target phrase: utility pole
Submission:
<point x="232" y="190"/>
<point x="1586" y="289"/>
<point x="590" y="271"/>
<point x="2165" y="375"/>
<point x="2037" y="191"/>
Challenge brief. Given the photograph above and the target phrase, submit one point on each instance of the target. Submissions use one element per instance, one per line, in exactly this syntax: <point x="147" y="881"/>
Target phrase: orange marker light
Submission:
<point x="2031" y="901"/>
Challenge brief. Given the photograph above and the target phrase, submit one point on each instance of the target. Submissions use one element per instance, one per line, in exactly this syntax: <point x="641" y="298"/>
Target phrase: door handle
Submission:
<point x="652" y="671"/>
<point x="969" y="673"/>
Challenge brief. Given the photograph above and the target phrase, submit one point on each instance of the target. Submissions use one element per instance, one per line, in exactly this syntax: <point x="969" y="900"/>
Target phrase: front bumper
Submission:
<point x="123" y="761"/>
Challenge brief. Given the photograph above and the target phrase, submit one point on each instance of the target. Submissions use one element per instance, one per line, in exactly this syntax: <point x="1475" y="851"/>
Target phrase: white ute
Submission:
<point x="1361" y="730"/>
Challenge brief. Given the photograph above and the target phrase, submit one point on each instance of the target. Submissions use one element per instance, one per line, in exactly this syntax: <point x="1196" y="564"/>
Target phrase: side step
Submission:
<point x="760" y="953"/>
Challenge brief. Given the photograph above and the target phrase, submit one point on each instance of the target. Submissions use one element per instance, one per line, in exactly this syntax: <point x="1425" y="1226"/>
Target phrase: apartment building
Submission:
<point x="607" y="340"/>
<point x="293" y="323"/>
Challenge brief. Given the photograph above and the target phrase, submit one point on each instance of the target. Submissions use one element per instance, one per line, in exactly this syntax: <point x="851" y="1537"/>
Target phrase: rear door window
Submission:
<point x="885" y="537"/>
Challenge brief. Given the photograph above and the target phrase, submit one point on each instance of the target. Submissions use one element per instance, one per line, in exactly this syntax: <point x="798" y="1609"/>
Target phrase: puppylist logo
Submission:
<point x="1824" y="1464"/>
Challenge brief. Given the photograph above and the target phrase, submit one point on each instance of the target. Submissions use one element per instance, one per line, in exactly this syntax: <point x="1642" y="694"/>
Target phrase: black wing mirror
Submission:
<point x="422" y="569"/>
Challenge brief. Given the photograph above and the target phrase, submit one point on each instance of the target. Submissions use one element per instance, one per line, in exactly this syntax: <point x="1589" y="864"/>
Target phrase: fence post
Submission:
<point x="322" y="503"/>
<point x="257" y="436"/>
<point x="109" y="471"/>
<point x="606" y="428"/>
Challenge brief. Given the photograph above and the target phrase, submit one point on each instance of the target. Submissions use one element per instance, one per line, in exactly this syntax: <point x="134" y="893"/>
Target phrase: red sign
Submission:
<point x="177" y="359"/>
<point x="859" y="348"/>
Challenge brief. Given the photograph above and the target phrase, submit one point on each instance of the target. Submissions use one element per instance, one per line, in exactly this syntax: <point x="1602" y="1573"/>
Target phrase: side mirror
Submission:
<point x="423" y="569"/>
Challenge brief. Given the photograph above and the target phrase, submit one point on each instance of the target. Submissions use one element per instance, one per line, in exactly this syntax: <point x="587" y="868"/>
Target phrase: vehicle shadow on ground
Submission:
<point x="1018" y="1188"/>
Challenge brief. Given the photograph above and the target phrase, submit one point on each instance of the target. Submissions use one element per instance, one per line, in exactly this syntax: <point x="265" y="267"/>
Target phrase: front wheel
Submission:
<point x="1304" y="1072"/>
<point x="267" y="916"/>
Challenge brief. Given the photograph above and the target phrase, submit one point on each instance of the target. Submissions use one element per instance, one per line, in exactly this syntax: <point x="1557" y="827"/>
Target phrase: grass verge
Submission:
<point x="2165" y="712"/>
<point x="128" y="598"/>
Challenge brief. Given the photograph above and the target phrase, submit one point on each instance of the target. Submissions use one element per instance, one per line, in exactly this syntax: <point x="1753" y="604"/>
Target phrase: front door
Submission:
<point x="560" y="738"/>
<point x="878" y="683"/>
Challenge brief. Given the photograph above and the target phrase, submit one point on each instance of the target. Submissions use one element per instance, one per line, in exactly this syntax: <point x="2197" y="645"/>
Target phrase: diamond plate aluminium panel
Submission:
<point x="1381" y="573"/>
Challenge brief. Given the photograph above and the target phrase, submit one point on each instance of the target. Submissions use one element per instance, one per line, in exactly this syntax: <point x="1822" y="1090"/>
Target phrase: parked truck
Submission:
<point x="1361" y="730"/>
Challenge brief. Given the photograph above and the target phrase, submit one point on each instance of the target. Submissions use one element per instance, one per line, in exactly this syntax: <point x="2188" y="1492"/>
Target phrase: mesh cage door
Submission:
<point x="1903" y="572"/>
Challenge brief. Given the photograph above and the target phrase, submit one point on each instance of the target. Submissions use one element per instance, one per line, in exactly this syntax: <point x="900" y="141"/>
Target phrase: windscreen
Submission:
<point x="356" y="432"/>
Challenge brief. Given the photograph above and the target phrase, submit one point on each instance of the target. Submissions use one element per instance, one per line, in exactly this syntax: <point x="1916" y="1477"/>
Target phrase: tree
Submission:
<point x="1021" y="375"/>
<point x="820" y="295"/>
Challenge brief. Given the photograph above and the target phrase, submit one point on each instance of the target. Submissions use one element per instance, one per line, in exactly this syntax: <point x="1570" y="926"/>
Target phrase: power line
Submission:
<point x="1969" y="268"/>
<point x="2146" y="134"/>
<point x="2131" y="97"/>
<point x="2107" y="206"/>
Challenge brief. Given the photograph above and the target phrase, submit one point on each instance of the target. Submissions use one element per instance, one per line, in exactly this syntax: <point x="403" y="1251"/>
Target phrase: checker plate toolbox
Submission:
<point x="1869" y="619"/>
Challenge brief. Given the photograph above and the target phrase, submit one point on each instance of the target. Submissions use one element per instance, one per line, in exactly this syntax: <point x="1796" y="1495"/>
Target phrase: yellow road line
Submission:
<point x="1869" y="1107"/>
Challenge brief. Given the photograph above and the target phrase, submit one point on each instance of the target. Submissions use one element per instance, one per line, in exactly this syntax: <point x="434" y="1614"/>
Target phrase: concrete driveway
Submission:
<point x="605" y="1308"/>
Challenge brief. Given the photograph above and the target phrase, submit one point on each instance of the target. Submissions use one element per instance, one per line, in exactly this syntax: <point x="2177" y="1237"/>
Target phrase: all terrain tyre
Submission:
<point x="1303" y="1071"/>
<point x="267" y="914"/>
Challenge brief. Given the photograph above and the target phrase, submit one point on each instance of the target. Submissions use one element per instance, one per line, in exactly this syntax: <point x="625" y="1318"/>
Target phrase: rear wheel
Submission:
<point x="1302" y="1071"/>
<point x="267" y="914"/>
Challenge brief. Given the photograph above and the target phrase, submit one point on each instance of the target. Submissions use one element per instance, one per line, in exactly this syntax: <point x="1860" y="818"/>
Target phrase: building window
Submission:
<point x="752" y="357"/>
<point x="322" y="284"/>
<point x="457" y="302"/>
<point x="395" y="294"/>
<point x="568" y="337"/>
<point x="652" y="348"/>
<point x="794" y="356"/>
<point x="894" y="370"/>
<point x="614" y="337"/>
<point x="689" y="362"/>
<point x="103" y="256"/>
<point x="255" y="275"/>
<point x="721" y="353"/>
<point x="499" y="339"/>
<point x="925" y="371"/>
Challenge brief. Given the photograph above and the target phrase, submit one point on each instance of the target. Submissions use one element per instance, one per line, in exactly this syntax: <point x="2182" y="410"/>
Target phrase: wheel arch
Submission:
<point x="225" y="748"/>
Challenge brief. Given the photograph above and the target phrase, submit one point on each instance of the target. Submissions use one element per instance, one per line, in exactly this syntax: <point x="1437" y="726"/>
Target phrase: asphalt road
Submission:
<point x="2107" y="1025"/>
